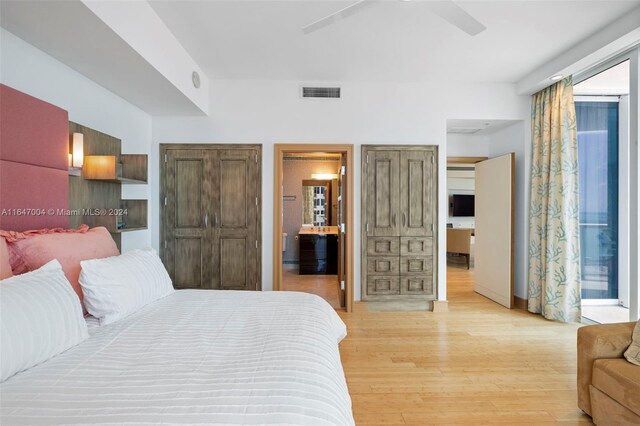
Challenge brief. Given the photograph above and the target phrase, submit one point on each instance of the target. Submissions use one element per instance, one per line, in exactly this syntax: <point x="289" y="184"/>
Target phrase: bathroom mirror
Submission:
<point x="316" y="196"/>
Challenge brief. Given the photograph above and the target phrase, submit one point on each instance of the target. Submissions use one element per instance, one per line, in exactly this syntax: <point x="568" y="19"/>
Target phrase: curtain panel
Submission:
<point x="554" y="229"/>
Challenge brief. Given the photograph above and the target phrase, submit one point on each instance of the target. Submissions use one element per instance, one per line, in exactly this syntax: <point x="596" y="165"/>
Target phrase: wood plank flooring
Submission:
<point x="325" y="286"/>
<point x="478" y="364"/>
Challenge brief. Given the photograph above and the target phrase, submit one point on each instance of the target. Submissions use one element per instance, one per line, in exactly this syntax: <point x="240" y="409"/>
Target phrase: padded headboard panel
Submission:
<point x="34" y="146"/>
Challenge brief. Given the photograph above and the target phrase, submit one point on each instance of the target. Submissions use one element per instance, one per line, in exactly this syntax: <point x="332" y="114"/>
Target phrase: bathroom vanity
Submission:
<point x="318" y="250"/>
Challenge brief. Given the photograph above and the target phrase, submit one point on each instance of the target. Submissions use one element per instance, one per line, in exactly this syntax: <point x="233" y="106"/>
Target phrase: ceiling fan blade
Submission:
<point x="335" y="17"/>
<point x="457" y="16"/>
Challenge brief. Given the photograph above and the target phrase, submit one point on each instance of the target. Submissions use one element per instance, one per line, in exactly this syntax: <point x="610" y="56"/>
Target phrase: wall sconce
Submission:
<point x="99" y="167"/>
<point x="78" y="150"/>
<point x="76" y="154"/>
<point x="324" y="176"/>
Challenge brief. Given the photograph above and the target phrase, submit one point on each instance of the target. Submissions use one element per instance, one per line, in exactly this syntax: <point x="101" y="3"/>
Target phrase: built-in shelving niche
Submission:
<point x="95" y="195"/>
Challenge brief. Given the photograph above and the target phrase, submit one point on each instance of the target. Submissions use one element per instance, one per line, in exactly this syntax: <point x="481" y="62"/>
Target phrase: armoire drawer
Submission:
<point x="419" y="284"/>
<point x="383" y="246"/>
<point x="382" y="285"/>
<point x="383" y="265"/>
<point x="418" y="265"/>
<point x="416" y="246"/>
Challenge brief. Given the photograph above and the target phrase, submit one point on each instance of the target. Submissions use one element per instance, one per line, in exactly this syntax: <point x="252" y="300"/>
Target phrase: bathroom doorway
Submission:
<point x="313" y="252"/>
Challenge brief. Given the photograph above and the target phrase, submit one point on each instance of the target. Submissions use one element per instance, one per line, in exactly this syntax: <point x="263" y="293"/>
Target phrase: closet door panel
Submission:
<point x="416" y="193"/>
<point x="236" y="219"/>
<point x="187" y="252"/>
<point x="234" y="193"/>
<point x="233" y="262"/>
<point x="188" y="270"/>
<point x="382" y="201"/>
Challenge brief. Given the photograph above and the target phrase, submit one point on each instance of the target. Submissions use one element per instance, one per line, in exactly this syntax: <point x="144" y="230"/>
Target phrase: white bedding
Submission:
<point x="195" y="357"/>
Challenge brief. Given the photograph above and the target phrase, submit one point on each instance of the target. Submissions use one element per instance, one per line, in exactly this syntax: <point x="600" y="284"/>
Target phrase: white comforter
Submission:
<point x="195" y="357"/>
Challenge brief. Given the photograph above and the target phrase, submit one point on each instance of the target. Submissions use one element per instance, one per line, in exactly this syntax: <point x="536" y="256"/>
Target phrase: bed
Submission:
<point x="155" y="355"/>
<point x="195" y="357"/>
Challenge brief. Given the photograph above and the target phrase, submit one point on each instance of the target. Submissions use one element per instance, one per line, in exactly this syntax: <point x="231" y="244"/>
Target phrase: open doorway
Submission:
<point x="602" y="113"/>
<point x="483" y="188"/>
<point x="313" y="211"/>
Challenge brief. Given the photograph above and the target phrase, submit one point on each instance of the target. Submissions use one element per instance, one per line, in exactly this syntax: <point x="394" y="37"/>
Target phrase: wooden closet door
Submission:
<point x="418" y="204"/>
<point x="417" y="193"/>
<point x="186" y="229"/>
<point x="236" y="242"/>
<point x="382" y="196"/>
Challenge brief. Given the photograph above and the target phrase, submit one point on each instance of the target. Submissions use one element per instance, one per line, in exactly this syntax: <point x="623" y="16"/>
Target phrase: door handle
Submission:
<point x="206" y="220"/>
<point x="394" y="219"/>
<point x="215" y="220"/>
<point x="404" y="219"/>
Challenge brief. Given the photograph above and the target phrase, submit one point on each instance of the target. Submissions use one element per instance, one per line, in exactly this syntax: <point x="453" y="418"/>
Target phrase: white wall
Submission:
<point x="461" y="145"/>
<point x="512" y="139"/>
<point x="30" y="70"/>
<point x="269" y="112"/>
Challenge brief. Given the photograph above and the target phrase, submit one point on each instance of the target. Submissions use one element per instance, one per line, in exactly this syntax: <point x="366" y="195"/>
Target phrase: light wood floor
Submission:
<point x="325" y="286"/>
<point x="478" y="364"/>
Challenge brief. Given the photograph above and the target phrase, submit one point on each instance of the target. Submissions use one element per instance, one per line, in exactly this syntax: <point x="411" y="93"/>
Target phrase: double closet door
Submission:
<point x="399" y="211"/>
<point x="210" y="234"/>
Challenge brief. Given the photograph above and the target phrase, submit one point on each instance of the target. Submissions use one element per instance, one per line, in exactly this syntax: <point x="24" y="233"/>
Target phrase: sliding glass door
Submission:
<point x="605" y="101"/>
<point x="597" y="123"/>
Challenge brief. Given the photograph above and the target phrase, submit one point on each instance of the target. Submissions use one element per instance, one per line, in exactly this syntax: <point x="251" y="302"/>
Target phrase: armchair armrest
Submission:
<point x="598" y="342"/>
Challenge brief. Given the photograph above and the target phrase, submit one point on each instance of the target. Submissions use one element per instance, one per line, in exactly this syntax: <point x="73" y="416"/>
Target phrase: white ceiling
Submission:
<point x="477" y="127"/>
<point x="71" y="33"/>
<point x="390" y="40"/>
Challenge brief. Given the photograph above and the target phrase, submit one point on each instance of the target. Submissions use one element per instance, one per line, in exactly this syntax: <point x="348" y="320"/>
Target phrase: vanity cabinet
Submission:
<point x="318" y="253"/>
<point x="399" y="216"/>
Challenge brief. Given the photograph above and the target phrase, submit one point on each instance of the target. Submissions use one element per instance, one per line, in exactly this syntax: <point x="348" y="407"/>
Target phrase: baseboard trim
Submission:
<point x="519" y="303"/>
<point x="440" y="306"/>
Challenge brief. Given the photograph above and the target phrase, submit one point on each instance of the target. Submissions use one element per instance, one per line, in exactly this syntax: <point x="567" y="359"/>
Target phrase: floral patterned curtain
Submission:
<point x="554" y="230"/>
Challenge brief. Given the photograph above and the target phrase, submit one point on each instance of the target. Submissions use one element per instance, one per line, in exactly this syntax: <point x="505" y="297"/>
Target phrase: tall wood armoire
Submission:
<point x="399" y="222"/>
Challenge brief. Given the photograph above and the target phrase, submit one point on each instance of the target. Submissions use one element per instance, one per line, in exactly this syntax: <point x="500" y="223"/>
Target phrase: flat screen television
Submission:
<point x="463" y="205"/>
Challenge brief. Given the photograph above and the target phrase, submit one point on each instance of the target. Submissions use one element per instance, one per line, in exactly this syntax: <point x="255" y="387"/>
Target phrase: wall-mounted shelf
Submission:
<point x="98" y="187"/>
<point x="130" y="215"/>
<point x="131" y="170"/>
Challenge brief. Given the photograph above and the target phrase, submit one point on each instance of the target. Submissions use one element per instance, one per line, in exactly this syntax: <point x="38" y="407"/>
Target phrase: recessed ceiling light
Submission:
<point x="556" y="77"/>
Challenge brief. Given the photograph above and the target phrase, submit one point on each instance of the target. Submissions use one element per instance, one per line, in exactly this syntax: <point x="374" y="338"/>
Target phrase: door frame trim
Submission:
<point x="278" y="158"/>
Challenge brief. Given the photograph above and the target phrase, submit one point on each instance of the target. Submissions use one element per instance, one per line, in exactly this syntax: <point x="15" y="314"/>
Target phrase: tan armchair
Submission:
<point x="608" y="385"/>
<point x="459" y="242"/>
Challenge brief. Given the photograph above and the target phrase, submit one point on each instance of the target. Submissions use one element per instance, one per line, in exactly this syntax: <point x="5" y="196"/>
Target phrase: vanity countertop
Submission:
<point x="319" y="230"/>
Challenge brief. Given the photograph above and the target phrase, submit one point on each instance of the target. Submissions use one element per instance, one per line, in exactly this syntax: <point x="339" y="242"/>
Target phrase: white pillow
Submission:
<point x="40" y="317"/>
<point x="117" y="286"/>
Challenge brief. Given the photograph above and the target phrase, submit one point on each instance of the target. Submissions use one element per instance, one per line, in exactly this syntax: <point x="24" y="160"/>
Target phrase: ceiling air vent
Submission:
<point x="321" y="92"/>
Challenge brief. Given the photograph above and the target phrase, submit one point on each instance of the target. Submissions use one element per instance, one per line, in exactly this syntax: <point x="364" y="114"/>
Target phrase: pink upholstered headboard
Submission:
<point x="34" y="146"/>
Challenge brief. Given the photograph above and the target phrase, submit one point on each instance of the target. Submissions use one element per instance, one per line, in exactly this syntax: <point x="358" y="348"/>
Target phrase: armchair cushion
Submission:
<point x="633" y="353"/>
<point x="620" y="380"/>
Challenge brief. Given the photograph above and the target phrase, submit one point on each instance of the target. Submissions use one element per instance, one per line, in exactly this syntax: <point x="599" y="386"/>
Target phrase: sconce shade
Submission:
<point x="99" y="167"/>
<point x="78" y="149"/>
